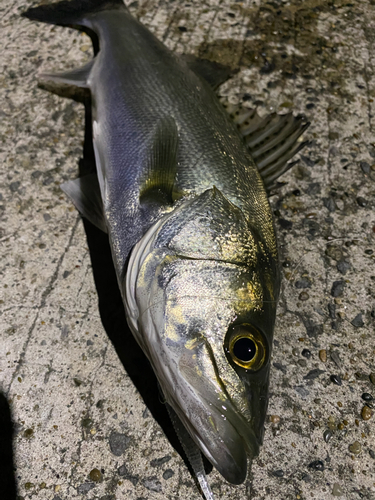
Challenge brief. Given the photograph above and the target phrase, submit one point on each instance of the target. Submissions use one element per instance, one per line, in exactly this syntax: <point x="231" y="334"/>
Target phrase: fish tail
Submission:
<point x="71" y="13"/>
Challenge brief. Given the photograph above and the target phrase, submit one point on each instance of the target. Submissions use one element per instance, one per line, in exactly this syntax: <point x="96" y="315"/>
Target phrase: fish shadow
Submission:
<point x="113" y="317"/>
<point x="8" y="490"/>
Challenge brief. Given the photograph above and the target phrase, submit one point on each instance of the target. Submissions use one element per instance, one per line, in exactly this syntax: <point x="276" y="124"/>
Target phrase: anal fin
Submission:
<point x="85" y="195"/>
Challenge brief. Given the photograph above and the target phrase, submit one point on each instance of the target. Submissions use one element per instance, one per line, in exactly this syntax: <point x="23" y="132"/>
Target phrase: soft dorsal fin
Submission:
<point x="85" y="195"/>
<point x="72" y="84"/>
<point x="158" y="184"/>
<point x="212" y="72"/>
<point x="272" y="140"/>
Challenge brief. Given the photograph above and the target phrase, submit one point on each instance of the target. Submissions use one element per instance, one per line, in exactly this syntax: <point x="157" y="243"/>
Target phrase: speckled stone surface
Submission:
<point x="81" y="428"/>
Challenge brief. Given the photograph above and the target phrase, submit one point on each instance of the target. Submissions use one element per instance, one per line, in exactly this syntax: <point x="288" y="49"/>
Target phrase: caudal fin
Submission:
<point x="70" y="13"/>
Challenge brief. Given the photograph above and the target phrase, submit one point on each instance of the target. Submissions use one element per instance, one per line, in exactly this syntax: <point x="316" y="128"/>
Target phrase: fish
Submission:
<point x="181" y="188"/>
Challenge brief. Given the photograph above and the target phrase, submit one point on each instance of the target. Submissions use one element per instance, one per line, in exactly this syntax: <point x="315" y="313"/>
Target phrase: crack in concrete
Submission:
<point x="44" y="296"/>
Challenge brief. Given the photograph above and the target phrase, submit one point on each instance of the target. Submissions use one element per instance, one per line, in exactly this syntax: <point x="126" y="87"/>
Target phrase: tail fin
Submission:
<point x="72" y="13"/>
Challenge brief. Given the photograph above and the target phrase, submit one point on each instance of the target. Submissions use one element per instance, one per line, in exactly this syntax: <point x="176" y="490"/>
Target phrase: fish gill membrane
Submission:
<point x="181" y="189"/>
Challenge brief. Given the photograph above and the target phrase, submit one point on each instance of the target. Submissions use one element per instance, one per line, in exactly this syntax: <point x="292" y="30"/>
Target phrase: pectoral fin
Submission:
<point x="192" y="452"/>
<point x="85" y="194"/>
<point x="158" y="184"/>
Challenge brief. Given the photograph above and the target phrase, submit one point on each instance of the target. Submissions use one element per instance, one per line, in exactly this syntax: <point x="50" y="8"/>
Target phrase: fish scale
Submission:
<point x="213" y="144"/>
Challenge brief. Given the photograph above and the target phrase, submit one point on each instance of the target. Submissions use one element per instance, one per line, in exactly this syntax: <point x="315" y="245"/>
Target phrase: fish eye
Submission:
<point x="247" y="347"/>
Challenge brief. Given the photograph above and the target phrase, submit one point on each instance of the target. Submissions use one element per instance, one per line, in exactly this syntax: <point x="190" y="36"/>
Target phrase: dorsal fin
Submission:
<point x="212" y="72"/>
<point x="158" y="184"/>
<point x="272" y="140"/>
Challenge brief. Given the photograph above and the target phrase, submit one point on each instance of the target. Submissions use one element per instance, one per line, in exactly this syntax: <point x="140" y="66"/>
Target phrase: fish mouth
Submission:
<point x="224" y="437"/>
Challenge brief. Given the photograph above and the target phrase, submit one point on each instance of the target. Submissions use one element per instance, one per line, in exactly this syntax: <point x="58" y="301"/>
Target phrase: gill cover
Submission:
<point x="200" y="283"/>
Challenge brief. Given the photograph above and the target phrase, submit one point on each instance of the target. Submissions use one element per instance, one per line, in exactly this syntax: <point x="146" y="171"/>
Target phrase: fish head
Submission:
<point x="201" y="293"/>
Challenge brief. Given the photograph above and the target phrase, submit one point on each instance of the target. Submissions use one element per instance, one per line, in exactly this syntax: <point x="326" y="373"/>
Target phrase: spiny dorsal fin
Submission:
<point x="212" y="72"/>
<point x="161" y="164"/>
<point x="272" y="140"/>
<point x="72" y="84"/>
<point x="85" y="195"/>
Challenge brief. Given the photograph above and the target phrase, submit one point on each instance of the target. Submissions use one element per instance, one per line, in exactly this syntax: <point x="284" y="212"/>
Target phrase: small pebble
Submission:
<point x="302" y="362"/>
<point x="334" y="252"/>
<point x="337" y="288"/>
<point x="332" y="426"/>
<point x="303" y="296"/>
<point x="336" y="358"/>
<point x="317" y="465"/>
<point x="303" y="283"/>
<point x="323" y="355"/>
<point x="275" y="419"/>
<point x="355" y="448"/>
<point x="168" y="474"/>
<point x="365" y="167"/>
<point x="366" y="413"/>
<point x="372" y="454"/>
<point x="313" y="374"/>
<point x="372" y="378"/>
<point x="362" y="202"/>
<point x="278" y="473"/>
<point x="95" y="475"/>
<point x="306" y="353"/>
<point x="343" y="266"/>
<point x="327" y="434"/>
<point x="358" y="321"/>
<point x="332" y="311"/>
<point x="336" y="379"/>
<point x="337" y="491"/>
<point x="367" y="397"/>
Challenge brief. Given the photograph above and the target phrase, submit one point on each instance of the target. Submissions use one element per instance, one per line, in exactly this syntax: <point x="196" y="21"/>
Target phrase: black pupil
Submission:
<point x="244" y="349"/>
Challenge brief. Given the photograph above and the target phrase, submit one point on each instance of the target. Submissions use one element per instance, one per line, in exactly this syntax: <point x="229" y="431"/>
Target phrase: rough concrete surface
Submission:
<point x="81" y="429"/>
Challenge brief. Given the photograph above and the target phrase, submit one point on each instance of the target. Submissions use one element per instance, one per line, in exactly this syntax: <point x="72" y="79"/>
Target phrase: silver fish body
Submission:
<point x="190" y="228"/>
<point x="139" y="86"/>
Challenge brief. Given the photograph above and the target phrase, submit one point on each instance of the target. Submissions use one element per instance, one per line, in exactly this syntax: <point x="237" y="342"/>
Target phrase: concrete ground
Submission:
<point x="81" y="428"/>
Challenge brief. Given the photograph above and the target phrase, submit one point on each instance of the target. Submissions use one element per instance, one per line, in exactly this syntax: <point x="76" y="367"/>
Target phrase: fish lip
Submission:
<point x="229" y="450"/>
